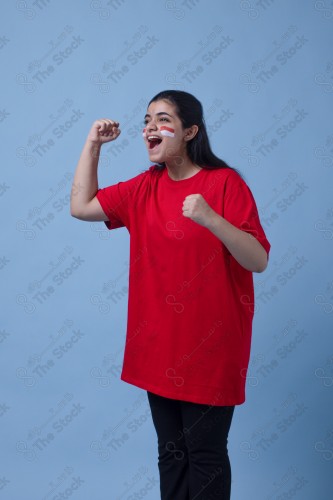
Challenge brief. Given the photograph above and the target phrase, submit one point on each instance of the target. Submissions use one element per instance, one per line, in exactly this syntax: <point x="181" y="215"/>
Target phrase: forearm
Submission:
<point x="244" y="247"/>
<point x="85" y="182"/>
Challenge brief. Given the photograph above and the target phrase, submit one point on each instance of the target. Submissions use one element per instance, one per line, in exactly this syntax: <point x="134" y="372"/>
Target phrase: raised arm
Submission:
<point x="84" y="204"/>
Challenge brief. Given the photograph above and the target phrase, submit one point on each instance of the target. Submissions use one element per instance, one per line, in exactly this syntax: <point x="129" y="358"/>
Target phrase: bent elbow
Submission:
<point x="75" y="213"/>
<point x="260" y="269"/>
<point x="262" y="266"/>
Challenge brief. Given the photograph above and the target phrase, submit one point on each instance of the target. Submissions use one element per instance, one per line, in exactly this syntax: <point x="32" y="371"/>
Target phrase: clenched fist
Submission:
<point x="196" y="208"/>
<point x="104" y="130"/>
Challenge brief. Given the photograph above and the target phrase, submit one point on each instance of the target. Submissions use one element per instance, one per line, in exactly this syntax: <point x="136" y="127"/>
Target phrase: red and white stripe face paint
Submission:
<point x="167" y="131"/>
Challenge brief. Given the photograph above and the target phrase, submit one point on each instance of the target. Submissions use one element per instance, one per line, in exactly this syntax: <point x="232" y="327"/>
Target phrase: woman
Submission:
<point x="195" y="240"/>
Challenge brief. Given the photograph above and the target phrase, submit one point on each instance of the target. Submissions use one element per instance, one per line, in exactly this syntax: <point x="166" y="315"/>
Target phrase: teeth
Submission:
<point x="150" y="137"/>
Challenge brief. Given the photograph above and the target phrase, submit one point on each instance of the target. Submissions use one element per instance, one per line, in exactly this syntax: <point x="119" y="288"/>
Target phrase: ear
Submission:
<point x="191" y="132"/>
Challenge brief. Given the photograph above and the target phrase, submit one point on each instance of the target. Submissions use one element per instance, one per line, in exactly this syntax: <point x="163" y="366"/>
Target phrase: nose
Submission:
<point x="151" y="125"/>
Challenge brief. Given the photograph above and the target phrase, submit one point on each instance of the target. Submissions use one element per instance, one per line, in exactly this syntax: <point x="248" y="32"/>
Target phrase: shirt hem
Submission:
<point x="183" y="396"/>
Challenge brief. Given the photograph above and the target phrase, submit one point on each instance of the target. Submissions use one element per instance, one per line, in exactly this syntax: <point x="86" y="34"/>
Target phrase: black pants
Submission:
<point x="193" y="457"/>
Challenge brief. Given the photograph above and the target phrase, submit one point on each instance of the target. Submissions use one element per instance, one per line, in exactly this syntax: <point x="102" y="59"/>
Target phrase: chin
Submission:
<point x="156" y="158"/>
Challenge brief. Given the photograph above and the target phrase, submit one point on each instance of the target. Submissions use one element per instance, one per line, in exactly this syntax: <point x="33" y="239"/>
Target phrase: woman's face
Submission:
<point x="164" y="134"/>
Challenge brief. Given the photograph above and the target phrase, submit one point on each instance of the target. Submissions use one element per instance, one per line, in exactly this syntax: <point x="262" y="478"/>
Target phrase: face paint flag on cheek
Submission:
<point x="144" y="133"/>
<point x="167" y="131"/>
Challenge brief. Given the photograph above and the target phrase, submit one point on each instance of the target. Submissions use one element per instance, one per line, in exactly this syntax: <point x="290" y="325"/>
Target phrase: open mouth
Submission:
<point x="154" y="141"/>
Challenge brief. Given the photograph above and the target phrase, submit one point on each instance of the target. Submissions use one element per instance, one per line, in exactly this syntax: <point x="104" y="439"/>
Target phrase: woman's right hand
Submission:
<point x="104" y="130"/>
<point x="84" y="203"/>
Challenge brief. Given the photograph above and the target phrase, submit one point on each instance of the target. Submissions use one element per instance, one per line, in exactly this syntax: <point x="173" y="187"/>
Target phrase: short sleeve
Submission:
<point x="116" y="201"/>
<point x="240" y="209"/>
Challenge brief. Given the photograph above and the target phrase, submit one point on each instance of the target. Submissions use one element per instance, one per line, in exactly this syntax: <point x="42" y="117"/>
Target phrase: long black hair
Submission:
<point x="189" y="110"/>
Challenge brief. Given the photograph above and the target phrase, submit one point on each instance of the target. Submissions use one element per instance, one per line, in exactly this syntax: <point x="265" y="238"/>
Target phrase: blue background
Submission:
<point x="263" y="71"/>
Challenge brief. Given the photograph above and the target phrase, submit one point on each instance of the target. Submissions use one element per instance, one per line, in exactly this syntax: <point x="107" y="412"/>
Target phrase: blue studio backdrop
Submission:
<point x="263" y="70"/>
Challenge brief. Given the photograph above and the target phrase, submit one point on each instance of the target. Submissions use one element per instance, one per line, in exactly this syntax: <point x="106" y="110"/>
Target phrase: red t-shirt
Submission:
<point x="190" y="304"/>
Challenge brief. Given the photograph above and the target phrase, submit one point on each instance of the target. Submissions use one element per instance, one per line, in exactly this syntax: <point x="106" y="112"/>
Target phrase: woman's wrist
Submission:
<point x="94" y="147"/>
<point x="213" y="221"/>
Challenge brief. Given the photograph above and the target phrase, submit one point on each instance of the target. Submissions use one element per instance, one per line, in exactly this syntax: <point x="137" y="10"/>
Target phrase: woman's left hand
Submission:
<point x="242" y="245"/>
<point x="196" y="208"/>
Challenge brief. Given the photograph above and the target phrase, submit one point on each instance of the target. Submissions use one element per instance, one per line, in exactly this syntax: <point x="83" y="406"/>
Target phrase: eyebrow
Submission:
<point x="158" y="114"/>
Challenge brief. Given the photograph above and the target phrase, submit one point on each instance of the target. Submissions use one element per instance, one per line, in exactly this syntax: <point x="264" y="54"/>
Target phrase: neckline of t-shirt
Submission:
<point x="181" y="182"/>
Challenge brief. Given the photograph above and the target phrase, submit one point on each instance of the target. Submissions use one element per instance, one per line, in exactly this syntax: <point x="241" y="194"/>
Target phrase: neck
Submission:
<point x="181" y="168"/>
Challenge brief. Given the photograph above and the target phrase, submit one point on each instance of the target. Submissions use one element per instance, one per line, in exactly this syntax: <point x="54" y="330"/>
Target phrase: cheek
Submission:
<point x="167" y="131"/>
